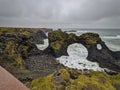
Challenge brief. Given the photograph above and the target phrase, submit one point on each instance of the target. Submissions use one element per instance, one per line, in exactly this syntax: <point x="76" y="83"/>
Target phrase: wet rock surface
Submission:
<point x="97" y="49"/>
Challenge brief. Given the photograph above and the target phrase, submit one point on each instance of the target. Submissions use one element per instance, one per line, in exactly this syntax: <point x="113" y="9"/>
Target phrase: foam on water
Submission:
<point x="77" y="58"/>
<point x="111" y="37"/>
<point x="43" y="46"/>
<point x="78" y="53"/>
<point x="77" y="33"/>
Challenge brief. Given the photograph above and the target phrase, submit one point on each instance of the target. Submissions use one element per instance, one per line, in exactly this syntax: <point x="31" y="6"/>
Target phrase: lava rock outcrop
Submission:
<point x="20" y="56"/>
<point x="97" y="49"/>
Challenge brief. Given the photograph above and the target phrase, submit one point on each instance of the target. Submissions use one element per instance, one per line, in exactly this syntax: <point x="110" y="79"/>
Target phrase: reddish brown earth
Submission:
<point x="8" y="82"/>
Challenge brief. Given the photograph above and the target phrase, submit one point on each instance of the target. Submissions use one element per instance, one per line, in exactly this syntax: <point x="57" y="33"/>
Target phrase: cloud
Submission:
<point x="34" y="12"/>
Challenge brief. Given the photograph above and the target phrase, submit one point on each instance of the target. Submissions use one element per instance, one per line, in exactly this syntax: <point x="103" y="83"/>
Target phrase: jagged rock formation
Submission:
<point x="38" y="37"/>
<point x="20" y="56"/>
<point x="103" y="55"/>
<point x="59" y="41"/>
<point x="70" y="79"/>
<point x="97" y="49"/>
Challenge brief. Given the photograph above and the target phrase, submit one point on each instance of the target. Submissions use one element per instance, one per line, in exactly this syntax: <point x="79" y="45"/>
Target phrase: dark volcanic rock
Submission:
<point x="104" y="56"/>
<point x="20" y="56"/>
<point x="44" y="64"/>
<point x="97" y="49"/>
<point x="59" y="41"/>
<point x="38" y="37"/>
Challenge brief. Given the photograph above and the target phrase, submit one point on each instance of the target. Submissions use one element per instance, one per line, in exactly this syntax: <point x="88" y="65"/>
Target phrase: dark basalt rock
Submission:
<point x="59" y="41"/>
<point x="20" y="56"/>
<point x="43" y="64"/>
<point x="38" y="37"/>
<point x="104" y="56"/>
<point x="97" y="49"/>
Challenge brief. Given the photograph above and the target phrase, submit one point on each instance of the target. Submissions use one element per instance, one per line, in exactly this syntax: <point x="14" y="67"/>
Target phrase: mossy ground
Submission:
<point x="14" y="49"/>
<point x="90" y="80"/>
<point x="22" y="31"/>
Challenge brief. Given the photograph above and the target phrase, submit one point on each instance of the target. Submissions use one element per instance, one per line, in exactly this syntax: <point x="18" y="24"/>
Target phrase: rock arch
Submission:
<point x="59" y="42"/>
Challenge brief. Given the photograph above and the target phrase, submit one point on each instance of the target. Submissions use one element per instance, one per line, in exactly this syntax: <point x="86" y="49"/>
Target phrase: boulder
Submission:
<point x="38" y="37"/>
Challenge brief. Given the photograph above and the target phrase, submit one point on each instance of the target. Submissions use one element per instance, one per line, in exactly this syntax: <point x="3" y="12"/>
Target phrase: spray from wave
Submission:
<point x="78" y="53"/>
<point x="77" y="58"/>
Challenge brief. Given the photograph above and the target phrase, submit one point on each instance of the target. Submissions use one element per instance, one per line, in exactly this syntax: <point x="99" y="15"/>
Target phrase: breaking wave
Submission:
<point x="77" y="58"/>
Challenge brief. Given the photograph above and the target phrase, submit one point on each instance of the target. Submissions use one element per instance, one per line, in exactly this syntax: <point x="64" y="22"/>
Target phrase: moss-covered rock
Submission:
<point x="62" y="80"/>
<point x="89" y="39"/>
<point x="15" y="47"/>
<point x="97" y="49"/>
<point x="59" y="41"/>
<point x="20" y="56"/>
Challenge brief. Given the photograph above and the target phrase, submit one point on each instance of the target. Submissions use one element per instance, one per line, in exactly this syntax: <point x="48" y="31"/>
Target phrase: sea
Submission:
<point x="78" y="53"/>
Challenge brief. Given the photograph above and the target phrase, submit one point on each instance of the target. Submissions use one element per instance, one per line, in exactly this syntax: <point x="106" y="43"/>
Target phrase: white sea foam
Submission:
<point x="78" y="53"/>
<point x="77" y="58"/>
<point x="77" y="33"/>
<point x="43" y="46"/>
<point x="111" y="37"/>
<point x="112" y="46"/>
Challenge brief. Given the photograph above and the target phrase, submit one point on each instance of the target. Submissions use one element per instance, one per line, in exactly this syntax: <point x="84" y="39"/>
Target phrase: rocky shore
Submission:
<point x="97" y="49"/>
<point x="21" y="57"/>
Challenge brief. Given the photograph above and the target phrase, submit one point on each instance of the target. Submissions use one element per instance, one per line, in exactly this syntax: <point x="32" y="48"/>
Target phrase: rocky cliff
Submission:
<point x="20" y="56"/>
<point x="97" y="49"/>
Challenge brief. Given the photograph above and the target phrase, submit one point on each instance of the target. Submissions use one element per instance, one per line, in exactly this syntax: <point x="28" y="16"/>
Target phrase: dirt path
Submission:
<point x="8" y="82"/>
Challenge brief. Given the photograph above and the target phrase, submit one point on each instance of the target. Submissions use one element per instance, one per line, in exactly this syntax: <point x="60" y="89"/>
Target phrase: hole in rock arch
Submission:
<point x="44" y="45"/>
<point x="77" y="58"/>
<point x="77" y="50"/>
<point x="99" y="47"/>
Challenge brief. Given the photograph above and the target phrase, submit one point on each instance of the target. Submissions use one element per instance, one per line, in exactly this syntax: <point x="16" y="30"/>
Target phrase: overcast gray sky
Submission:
<point x="48" y="13"/>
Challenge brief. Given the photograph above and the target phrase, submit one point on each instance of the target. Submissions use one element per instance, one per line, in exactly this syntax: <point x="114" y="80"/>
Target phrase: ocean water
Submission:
<point x="78" y="53"/>
<point x="43" y="46"/>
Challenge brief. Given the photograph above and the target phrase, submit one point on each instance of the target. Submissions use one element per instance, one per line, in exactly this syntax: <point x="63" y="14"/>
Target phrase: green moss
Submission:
<point x="10" y="46"/>
<point x="89" y="38"/>
<point x="64" y="74"/>
<point x="93" y="82"/>
<point x="22" y="31"/>
<point x="115" y="80"/>
<point x="59" y="40"/>
<point x="73" y="37"/>
<point x="45" y="84"/>
<point x="56" y="45"/>
<point x="7" y="30"/>
<point x="14" y="52"/>
<point x="62" y="80"/>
